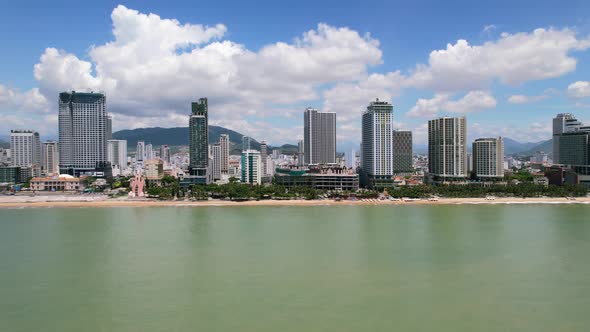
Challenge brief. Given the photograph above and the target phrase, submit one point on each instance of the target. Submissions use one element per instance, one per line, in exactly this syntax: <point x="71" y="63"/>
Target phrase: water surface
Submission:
<point x="354" y="268"/>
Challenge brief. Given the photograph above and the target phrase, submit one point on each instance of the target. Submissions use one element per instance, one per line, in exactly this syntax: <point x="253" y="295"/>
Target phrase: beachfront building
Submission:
<point x="224" y="145"/>
<point x="198" y="143"/>
<point x="488" y="159"/>
<point x="216" y="162"/>
<point x="50" y="156"/>
<point x="251" y="167"/>
<point x="61" y="182"/>
<point x="83" y="133"/>
<point x="321" y="177"/>
<point x="402" y="152"/>
<point x="319" y="137"/>
<point x="447" y="149"/>
<point x="117" y="153"/>
<point x="377" y="157"/>
<point x="25" y="148"/>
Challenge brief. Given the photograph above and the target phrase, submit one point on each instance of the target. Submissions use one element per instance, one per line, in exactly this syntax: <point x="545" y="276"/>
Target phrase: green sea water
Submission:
<point x="353" y="268"/>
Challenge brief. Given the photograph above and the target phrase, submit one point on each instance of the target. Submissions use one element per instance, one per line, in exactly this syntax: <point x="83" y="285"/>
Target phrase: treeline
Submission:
<point x="476" y="190"/>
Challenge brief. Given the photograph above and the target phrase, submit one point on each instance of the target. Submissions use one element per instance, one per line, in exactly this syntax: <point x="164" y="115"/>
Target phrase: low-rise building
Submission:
<point x="61" y="182"/>
<point x="321" y="177"/>
<point x="154" y="169"/>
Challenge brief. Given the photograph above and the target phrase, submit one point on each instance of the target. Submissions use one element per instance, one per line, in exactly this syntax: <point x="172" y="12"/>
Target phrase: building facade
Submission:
<point x="83" y="132"/>
<point x="50" y="163"/>
<point x="117" y="153"/>
<point x="377" y="159"/>
<point x="563" y="123"/>
<point x="154" y="169"/>
<point x="224" y="145"/>
<point x="488" y="158"/>
<point x="56" y="183"/>
<point x="25" y="148"/>
<point x="165" y="153"/>
<point x="319" y="137"/>
<point x="263" y="156"/>
<point x="321" y="177"/>
<point x="402" y="152"/>
<point x="251" y="167"/>
<point x="447" y="148"/>
<point x="300" y="153"/>
<point x="216" y="162"/>
<point x="140" y="152"/>
<point x="198" y="141"/>
<point x="149" y="152"/>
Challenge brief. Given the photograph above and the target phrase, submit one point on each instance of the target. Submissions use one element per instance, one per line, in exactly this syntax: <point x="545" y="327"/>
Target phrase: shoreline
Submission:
<point x="103" y="202"/>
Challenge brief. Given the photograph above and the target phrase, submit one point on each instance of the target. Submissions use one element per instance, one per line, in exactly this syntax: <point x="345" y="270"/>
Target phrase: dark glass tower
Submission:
<point x="198" y="143"/>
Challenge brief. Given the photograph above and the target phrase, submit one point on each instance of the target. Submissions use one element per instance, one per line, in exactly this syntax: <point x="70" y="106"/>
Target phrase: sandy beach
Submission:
<point x="40" y="201"/>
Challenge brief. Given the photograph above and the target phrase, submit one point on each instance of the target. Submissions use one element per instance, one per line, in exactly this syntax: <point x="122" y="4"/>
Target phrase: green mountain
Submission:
<point x="4" y="145"/>
<point x="545" y="146"/>
<point x="179" y="136"/>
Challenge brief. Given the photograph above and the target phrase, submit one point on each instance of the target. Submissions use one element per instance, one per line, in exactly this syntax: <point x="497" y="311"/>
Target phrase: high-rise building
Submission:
<point x="402" y="152"/>
<point x="488" y="158"/>
<point x="447" y="148"/>
<point x="25" y="148"/>
<point x="154" y="169"/>
<point x="574" y="153"/>
<point x="251" y="167"/>
<point x="117" y="153"/>
<point x="140" y="152"/>
<point x="83" y="132"/>
<point x="165" y="153"/>
<point x="246" y="143"/>
<point x="149" y="151"/>
<point x="377" y="144"/>
<point x="564" y="123"/>
<point x="216" y="161"/>
<point x="198" y="142"/>
<point x="263" y="156"/>
<point x="50" y="163"/>
<point x="319" y="137"/>
<point x="224" y="144"/>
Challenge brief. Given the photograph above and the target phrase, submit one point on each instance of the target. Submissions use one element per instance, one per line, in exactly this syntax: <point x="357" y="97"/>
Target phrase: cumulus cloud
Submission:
<point x="471" y="102"/>
<point x="579" y="89"/>
<point x="512" y="59"/>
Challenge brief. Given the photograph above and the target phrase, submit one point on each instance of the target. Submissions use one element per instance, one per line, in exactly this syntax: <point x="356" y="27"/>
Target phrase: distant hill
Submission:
<point x="513" y="147"/>
<point x="4" y="144"/>
<point x="179" y="136"/>
<point x="545" y="146"/>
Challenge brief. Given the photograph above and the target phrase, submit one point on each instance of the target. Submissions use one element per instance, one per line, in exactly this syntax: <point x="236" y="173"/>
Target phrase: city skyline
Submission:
<point x="488" y="81"/>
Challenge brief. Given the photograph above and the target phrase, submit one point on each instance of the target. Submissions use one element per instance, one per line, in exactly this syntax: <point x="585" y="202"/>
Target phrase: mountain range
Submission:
<point x="179" y="136"/>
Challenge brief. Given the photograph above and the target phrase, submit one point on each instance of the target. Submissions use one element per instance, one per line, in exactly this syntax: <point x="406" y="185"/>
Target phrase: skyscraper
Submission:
<point x="562" y="123"/>
<point x="25" y="147"/>
<point x="377" y="144"/>
<point x="402" y="152"/>
<point x="224" y="144"/>
<point x="165" y="153"/>
<point x="117" y="153"/>
<point x="83" y="132"/>
<point x="140" y="152"/>
<point x="216" y="158"/>
<point x="447" y="148"/>
<point x="251" y="167"/>
<point x="198" y="143"/>
<point x="50" y="155"/>
<point x="109" y="134"/>
<point x="149" y="151"/>
<point x="488" y="158"/>
<point x="319" y="137"/>
<point x="263" y="156"/>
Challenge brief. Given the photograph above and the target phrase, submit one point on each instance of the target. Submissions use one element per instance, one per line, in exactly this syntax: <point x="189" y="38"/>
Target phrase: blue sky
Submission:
<point x="261" y="63"/>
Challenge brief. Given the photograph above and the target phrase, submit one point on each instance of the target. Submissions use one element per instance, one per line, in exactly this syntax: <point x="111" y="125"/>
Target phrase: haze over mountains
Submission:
<point x="179" y="136"/>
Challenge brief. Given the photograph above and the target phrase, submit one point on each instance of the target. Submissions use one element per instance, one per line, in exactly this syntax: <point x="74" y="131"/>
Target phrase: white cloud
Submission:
<point x="489" y="28"/>
<point x="579" y="89"/>
<point x="472" y="102"/>
<point x="522" y="99"/>
<point x="512" y="59"/>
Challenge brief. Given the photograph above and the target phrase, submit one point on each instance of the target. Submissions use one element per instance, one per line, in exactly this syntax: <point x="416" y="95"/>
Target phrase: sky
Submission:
<point x="509" y="66"/>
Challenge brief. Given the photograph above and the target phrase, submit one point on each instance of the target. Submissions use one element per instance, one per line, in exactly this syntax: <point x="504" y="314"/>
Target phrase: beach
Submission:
<point x="45" y="201"/>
